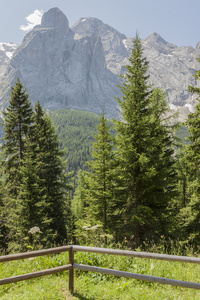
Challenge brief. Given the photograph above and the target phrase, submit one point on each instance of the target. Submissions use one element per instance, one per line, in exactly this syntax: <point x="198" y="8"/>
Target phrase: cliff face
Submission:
<point x="62" y="69"/>
<point x="78" y="67"/>
<point x="170" y="67"/>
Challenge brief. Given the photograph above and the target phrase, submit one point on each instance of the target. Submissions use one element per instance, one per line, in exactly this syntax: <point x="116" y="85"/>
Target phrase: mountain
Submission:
<point x="113" y="41"/>
<point x="172" y="69"/>
<point x="79" y="67"/>
<point x="62" y="69"/>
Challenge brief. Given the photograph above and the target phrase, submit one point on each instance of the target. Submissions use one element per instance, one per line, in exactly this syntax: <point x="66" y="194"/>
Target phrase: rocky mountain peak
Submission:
<point x="55" y="19"/>
<point x="112" y="40"/>
<point x="154" y="40"/>
<point x="94" y="26"/>
<point x="155" y="37"/>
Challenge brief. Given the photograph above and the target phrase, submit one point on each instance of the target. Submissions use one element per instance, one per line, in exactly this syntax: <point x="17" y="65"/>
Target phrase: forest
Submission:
<point x="75" y="177"/>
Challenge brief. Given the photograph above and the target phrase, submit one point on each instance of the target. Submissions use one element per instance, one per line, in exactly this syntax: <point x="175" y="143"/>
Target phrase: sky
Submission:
<point x="177" y="21"/>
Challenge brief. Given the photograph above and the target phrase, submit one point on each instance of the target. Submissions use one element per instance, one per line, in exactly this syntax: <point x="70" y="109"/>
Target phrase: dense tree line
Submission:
<point x="138" y="184"/>
<point x="34" y="204"/>
<point x="76" y="130"/>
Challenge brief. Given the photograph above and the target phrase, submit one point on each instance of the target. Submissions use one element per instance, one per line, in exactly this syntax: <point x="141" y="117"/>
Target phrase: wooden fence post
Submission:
<point x="71" y="270"/>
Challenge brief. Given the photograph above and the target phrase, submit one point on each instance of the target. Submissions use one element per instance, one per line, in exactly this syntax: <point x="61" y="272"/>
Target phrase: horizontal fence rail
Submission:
<point x="35" y="274"/>
<point x="34" y="253"/>
<point x="162" y="280"/>
<point x="184" y="259"/>
<point x="71" y="265"/>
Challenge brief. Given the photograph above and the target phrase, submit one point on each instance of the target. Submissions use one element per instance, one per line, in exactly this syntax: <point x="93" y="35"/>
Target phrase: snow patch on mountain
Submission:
<point x="8" y="48"/>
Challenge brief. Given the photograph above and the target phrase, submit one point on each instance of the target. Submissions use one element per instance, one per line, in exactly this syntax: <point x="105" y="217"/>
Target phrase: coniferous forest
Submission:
<point x="75" y="177"/>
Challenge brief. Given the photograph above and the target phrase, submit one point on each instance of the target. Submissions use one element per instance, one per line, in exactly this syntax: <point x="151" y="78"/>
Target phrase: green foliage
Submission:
<point x="101" y="208"/>
<point x="3" y="228"/>
<point x="146" y="176"/>
<point x="47" y="158"/>
<point x="190" y="214"/>
<point x="18" y="118"/>
<point x="79" y="199"/>
<point x="95" y="194"/>
<point x="36" y="203"/>
<point x="75" y="131"/>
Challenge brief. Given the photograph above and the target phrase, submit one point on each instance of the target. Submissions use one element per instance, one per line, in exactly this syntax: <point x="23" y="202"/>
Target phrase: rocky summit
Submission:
<point x="62" y="69"/>
<point x="79" y="67"/>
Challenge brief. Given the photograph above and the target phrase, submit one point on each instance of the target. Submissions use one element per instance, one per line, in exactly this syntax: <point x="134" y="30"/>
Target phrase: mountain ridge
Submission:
<point x="79" y="67"/>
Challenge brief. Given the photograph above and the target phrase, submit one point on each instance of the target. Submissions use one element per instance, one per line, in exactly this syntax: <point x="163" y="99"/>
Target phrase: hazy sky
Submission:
<point x="177" y="21"/>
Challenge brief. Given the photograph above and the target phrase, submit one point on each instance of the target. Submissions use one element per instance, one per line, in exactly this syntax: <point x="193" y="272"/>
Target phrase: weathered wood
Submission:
<point x="154" y="279"/>
<point x="184" y="259"/>
<point x="71" y="271"/>
<point x="19" y="256"/>
<point x="35" y="274"/>
<point x="71" y="266"/>
<point x="34" y="253"/>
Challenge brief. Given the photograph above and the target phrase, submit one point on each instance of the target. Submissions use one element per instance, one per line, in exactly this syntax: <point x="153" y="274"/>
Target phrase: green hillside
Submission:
<point x="75" y="130"/>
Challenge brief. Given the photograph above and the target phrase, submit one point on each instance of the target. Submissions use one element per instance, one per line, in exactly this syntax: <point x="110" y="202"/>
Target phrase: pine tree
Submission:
<point x="99" y="203"/>
<point x="163" y="184"/>
<point x="18" y="118"/>
<point x="144" y="153"/>
<point x="190" y="215"/>
<point x="51" y="180"/>
<point x="17" y="123"/>
<point x="30" y="211"/>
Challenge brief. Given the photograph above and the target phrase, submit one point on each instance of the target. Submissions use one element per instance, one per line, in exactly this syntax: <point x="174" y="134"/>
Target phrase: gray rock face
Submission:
<point x="112" y="40"/>
<point x="78" y="68"/>
<point x="171" y="68"/>
<point x="62" y="69"/>
<point x="54" y="18"/>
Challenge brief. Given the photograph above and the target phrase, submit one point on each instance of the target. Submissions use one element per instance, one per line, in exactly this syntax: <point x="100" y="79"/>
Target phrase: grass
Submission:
<point x="92" y="286"/>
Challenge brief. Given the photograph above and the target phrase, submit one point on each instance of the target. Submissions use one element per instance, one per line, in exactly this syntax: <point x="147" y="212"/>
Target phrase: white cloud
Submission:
<point x="32" y="20"/>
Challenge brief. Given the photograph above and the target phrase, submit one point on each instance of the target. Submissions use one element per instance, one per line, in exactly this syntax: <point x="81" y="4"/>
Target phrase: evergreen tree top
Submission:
<point x="135" y="88"/>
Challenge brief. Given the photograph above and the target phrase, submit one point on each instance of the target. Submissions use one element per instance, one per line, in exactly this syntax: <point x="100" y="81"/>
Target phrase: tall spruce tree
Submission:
<point x="99" y="204"/>
<point x="190" y="214"/>
<point x="17" y="123"/>
<point x="30" y="211"/>
<point x="18" y="118"/>
<point x="144" y="153"/>
<point x="47" y="157"/>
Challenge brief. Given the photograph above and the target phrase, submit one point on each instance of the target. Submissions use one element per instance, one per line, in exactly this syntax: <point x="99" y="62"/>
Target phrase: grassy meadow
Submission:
<point x="93" y="286"/>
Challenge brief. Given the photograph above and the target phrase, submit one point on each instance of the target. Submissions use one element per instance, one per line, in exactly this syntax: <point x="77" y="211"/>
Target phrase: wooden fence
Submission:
<point x="71" y="265"/>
